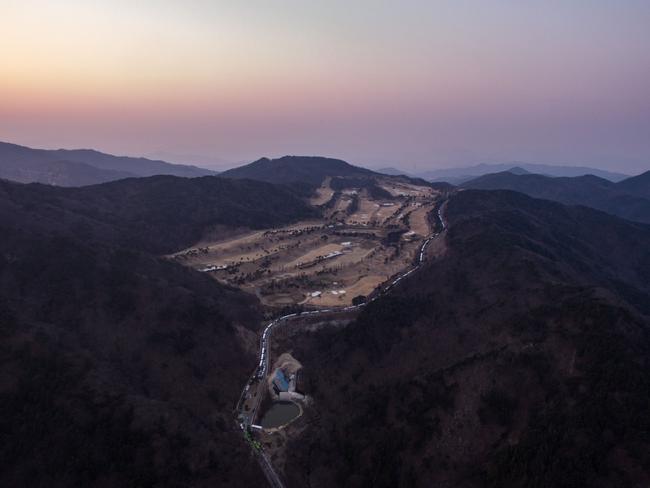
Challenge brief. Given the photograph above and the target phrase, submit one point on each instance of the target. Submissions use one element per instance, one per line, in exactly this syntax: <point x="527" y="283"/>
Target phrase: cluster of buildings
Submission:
<point x="285" y="388"/>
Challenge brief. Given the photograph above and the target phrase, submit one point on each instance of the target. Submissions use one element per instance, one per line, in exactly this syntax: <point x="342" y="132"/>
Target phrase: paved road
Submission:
<point x="247" y="418"/>
<point x="267" y="467"/>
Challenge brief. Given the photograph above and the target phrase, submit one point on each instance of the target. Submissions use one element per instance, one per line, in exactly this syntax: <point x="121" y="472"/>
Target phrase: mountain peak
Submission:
<point x="292" y="169"/>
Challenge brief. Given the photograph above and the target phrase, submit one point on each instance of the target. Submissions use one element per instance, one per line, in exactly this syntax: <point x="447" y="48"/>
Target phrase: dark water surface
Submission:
<point x="279" y="414"/>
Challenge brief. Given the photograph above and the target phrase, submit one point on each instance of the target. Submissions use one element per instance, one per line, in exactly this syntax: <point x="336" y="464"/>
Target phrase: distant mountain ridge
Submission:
<point x="517" y="170"/>
<point x="460" y="175"/>
<point x="637" y="185"/>
<point x="293" y="169"/>
<point x="78" y="167"/>
<point x="625" y="198"/>
<point x="390" y="171"/>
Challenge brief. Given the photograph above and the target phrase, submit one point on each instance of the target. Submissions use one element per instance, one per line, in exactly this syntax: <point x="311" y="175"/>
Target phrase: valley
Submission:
<point x="369" y="230"/>
<point x="371" y="233"/>
<point x="274" y="415"/>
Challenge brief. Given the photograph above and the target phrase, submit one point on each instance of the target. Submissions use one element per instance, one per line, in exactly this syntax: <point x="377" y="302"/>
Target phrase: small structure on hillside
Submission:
<point x="285" y="388"/>
<point x="280" y="382"/>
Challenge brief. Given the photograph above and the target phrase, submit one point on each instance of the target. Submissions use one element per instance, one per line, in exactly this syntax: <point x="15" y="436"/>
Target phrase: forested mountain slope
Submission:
<point x="622" y="199"/>
<point x="519" y="358"/>
<point x="159" y="214"/>
<point x="119" y="368"/>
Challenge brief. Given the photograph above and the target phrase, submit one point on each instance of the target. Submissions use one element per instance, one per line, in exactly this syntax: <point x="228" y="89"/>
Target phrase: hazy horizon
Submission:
<point x="414" y="86"/>
<point x="219" y="165"/>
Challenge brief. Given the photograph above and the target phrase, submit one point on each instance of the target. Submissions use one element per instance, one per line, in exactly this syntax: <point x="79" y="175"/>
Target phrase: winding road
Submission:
<point x="245" y="419"/>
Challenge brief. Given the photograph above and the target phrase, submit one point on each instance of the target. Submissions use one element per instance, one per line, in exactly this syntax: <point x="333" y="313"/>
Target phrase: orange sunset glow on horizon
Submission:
<point x="417" y="84"/>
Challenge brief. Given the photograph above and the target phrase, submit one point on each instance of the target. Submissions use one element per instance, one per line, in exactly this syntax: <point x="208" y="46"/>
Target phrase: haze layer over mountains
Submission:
<point x="79" y="167"/>
<point x="64" y="167"/>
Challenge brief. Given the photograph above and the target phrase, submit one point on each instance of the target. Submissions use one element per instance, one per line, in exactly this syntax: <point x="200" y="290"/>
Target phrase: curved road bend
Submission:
<point x="246" y="419"/>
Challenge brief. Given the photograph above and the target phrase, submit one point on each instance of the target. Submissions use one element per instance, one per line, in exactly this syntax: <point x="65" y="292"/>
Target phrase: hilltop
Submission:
<point x="291" y="169"/>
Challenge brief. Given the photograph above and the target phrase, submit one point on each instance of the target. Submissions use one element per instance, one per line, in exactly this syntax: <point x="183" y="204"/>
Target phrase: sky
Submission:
<point x="414" y="84"/>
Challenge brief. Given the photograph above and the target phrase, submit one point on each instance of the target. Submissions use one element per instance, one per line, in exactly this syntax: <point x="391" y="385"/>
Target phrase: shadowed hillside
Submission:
<point x="519" y="358"/>
<point x="637" y="185"/>
<point x="120" y="368"/>
<point x="158" y="214"/>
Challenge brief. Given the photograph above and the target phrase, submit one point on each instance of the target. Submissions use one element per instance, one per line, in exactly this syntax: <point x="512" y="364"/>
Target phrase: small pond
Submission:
<point x="279" y="414"/>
